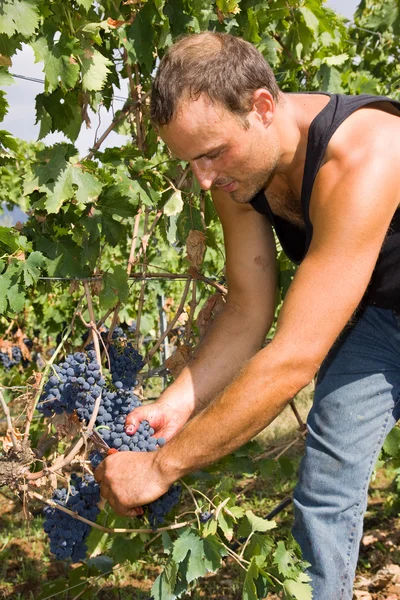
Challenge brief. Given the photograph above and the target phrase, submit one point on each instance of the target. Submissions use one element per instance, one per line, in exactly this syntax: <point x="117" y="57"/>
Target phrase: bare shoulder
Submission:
<point x="371" y="129"/>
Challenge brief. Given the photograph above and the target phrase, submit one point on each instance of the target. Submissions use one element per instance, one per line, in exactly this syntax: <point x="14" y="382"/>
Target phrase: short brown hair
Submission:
<point x="226" y="68"/>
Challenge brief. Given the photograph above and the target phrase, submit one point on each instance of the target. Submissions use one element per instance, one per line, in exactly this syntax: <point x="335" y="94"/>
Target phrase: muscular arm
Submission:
<point x="239" y="330"/>
<point x="351" y="210"/>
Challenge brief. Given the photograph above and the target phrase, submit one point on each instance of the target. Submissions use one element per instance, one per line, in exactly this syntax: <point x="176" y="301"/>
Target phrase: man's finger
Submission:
<point x="105" y="491"/>
<point x="99" y="472"/>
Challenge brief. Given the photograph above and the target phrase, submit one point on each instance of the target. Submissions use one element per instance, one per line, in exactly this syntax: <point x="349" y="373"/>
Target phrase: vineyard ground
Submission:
<point x="26" y="564"/>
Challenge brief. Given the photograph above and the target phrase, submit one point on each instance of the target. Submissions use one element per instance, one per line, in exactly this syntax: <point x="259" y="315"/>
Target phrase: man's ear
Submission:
<point x="264" y="106"/>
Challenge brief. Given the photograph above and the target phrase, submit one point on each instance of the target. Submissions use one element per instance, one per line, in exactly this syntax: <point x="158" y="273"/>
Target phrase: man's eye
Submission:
<point x="214" y="155"/>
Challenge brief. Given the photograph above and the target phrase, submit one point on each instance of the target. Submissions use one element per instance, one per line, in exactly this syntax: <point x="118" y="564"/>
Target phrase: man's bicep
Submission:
<point x="350" y="223"/>
<point x="250" y="256"/>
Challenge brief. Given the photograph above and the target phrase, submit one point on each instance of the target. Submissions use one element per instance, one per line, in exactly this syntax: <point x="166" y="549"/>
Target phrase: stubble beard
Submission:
<point x="258" y="182"/>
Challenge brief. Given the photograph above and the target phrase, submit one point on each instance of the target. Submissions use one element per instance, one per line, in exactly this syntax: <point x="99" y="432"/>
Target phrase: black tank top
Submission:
<point x="384" y="288"/>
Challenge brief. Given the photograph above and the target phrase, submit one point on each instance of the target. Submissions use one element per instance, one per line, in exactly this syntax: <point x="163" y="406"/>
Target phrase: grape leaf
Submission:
<point x="4" y="287"/>
<point x="18" y="16"/>
<point x="8" y="238"/>
<point x="163" y="587"/>
<point x="174" y="204"/>
<point x="94" y="70"/>
<point x="5" y="77"/>
<point x="60" y="66"/>
<point x="89" y="187"/>
<point x="7" y="141"/>
<point x="285" y="561"/>
<point x="298" y="589"/>
<point x="251" y="523"/>
<point x="123" y="549"/>
<point x="249" y="587"/>
<point x="213" y="552"/>
<point x="183" y="544"/>
<point x="392" y="443"/>
<point x="64" y="257"/>
<point x="196" y="566"/>
<point x="31" y="267"/>
<point x="259" y="545"/>
<point x="115" y="288"/>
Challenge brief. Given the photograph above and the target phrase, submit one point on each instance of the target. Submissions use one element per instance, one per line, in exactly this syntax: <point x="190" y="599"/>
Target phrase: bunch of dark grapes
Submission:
<point x="125" y="363"/>
<point x="67" y="535"/>
<point x="16" y="357"/>
<point x="158" y="509"/>
<point x="75" y="385"/>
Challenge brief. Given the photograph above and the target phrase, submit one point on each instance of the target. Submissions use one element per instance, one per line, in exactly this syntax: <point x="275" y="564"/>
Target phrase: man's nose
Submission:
<point x="204" y="173"/>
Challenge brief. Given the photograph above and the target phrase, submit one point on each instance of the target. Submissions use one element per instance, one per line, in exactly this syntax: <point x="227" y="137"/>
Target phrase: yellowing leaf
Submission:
<point x="174" y="204"/>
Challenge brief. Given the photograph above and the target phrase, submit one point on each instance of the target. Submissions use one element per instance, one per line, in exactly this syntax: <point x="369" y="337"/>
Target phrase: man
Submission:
<point x="323" y="170"/>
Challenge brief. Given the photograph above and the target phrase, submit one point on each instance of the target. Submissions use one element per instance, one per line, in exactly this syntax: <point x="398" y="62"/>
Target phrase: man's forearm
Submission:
<point x="248" y="405"/>
<point x="232" y="340"/>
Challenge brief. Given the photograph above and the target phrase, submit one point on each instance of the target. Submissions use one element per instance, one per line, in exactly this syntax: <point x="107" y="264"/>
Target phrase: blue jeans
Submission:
<point x="356" y="404"/>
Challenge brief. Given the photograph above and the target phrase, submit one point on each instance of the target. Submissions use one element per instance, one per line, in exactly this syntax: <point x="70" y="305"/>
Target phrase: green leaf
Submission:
<point x="101" y="564"/>
<point x="88" y="187"/>
<point x="392" y="443"/>
<point x="249" y="587"/>
<point x="87" y="4"/>
<point x="310" y="19"/>
<point x="94" y="70"/>
<point x="140" y="35"/>
<point x="285" y="560"/>
<point x="123" y="549"/>
<point x="174" y="204"/>
<point x="18" y="16"/>
<point x="4" y="288"/>
<point x="167" y="542"/>
<point x="213" y="552"/>
<point x="330" y="79"/>
<point x="115" y="288"/>
<point x="164" y="585"/>
<point x="16" y="298"/>
<point x="8" y="238"/>
<point x="332" y="61"/>
<point x="64" y="257"/>
<point x="5" y="77"/>
<point x="59" y="191"/>
<point x="8" y="141"/>
<point x="251" y="523"/>
<point x="32" y="267"/>
<point x="183" y="545"/>
<point x="298" y="589"/>
<point x="259" y="545"/>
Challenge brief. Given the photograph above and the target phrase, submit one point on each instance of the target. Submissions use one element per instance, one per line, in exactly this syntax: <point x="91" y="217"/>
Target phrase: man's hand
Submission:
<point x="165" y="418"/>
<point x="130" y="479"/>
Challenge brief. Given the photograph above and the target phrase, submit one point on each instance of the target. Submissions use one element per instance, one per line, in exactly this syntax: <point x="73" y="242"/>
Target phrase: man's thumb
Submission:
<point x="134" y="419"/>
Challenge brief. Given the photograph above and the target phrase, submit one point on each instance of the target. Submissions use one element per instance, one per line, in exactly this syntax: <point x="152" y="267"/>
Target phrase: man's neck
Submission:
<point x="293" y="117"/>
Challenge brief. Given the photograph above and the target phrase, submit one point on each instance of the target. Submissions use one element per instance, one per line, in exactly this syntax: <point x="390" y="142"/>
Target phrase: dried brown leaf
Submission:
<point x="195" y="247"/>
<point x="210" y="309"/>
<point x="7" y="441"/>
<point x="178" y="360"/>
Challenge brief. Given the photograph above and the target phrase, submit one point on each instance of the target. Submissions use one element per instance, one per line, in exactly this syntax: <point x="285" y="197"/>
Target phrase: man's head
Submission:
<point x="213" y="100"/>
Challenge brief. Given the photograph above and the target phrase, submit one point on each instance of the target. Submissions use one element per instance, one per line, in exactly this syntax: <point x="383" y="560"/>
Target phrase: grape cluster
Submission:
<point x="67" y="535"/>
<point x="126" y="362"/>
<point x="142" y="441"/>
<point x="158" y="509"/>
<point x="16" y="357"/>
<point x="75" y="385"/>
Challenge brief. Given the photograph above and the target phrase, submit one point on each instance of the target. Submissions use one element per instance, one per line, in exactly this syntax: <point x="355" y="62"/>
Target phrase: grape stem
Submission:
<point x="107" y="529"/>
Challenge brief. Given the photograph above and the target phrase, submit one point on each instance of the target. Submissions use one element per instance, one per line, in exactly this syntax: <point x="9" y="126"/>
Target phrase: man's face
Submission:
<point x="222" y="152"/>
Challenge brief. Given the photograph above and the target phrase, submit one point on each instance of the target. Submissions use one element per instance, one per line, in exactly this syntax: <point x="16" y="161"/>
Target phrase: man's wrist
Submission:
<point x="170" y="469"/>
